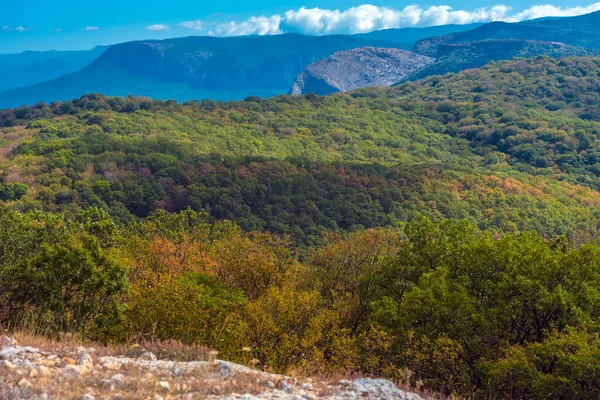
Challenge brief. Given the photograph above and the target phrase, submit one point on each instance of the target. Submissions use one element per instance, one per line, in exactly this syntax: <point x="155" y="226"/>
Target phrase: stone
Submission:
<point x="8" y="364"/>
<point x="285" y="387"/>
<point x="345" y="382"/>
<point x="307" y="386"/>
<point x="88" y="396"/>
<point x="164" y="385"/>
<point x="86" y="360"/>
<point x="175" y="371"/>
<point x="117" y="379"/>
<point x="270" y="385"/>
<point x="33" y="373"/>
<point x="381" y="388"/>
<point x="148" y="356"/>
<point x="157" y="397"/>
<point x="111" y="366"/>
<point x="226" y="370"/>
<point x="69" y="360"/>
<point x="21" y="353"/>
<point x="148" y="377"/>
<point x="74" y="371"/>
<point x="26" y="388"/>
<point x="25" y="382"/>
<point x="44" y="371"/>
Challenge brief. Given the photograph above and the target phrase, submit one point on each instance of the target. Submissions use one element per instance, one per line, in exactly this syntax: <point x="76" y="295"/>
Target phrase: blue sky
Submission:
<point x="81" y="24"/>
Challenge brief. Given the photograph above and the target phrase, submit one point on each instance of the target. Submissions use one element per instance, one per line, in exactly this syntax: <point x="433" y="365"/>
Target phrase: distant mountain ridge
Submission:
<point x="208" y="67"/>
<point x="581" y="31"/>
<point x="348" y="70"/>
<point x="31" y="67"/>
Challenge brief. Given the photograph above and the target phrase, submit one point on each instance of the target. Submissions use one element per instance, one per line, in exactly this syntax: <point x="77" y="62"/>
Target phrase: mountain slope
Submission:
<point x="458" y="57"/>
<point x="189" y="68"/>
<point x="352" y="69"/>
<point x="30" y="67"/>
<point x="580" y="31"/>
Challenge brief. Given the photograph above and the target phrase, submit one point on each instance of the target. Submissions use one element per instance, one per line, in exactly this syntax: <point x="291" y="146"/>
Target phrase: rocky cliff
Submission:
<point x="348" y="70"/>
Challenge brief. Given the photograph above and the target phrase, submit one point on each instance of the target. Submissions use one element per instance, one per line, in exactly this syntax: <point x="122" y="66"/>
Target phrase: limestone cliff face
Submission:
<point x="352" y="69"/>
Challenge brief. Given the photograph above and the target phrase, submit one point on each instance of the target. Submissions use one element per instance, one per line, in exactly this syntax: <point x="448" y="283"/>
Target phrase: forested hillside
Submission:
<point x="442" y="233"/>
<point x="461" y="56"/>
<point x="485" y="145"/>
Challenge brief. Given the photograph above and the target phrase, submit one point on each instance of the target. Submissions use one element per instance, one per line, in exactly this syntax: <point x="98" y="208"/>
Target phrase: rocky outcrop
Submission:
<point x="85" y="373"/>
<point x="349" y="70"/>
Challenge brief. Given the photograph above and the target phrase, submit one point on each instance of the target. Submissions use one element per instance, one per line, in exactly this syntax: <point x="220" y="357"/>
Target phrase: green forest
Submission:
<point x="441" y="232"/>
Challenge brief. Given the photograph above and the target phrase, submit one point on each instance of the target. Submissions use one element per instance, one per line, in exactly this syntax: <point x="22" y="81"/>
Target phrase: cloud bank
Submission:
<point x="367" y="18"/>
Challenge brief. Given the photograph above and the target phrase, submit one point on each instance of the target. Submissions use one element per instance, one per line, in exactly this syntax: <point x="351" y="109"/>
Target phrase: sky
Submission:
<point x="82" y="24"/>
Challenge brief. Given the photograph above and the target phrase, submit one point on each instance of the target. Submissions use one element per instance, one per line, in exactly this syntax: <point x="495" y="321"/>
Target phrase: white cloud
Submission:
<point x="552" y="11"/>
<point x="367" y="18"/>
<point x="195" y="25"/>
<point x="158" y="27"/>
<point x="91" y="28"/>
<point x="252" y="26"/>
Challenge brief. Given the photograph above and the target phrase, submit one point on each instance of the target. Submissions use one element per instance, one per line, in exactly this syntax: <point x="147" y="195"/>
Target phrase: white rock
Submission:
<point x="381" y="388"/>
<point x="74" y="371"/>
<point x="88" y="396"/>
<point x="148" y="377"/>
<point x="157" y="397"/>
<point x="148" y="356"/>
<point x="12" y="353"/>
<point x="307" y="386"/>
<point x="285" y="387"/>
<point x="24" y="382"/>
<point x="86" y="360"/>
<point x="164" y="385"/>
<point x="117" y="379"/>
<point x="8" y="364"/>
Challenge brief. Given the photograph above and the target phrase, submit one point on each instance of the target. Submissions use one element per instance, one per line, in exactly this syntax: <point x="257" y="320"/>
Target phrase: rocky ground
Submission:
<point x="51" y="372"/>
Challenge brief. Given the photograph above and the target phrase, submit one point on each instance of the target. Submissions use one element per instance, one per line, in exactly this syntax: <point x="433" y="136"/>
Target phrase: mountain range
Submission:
<point x="31" y="67"/>
<point x="208" y="67"/>
<point x="581" y="31"/>
<point x="195" y="68"/>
